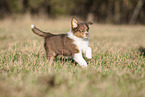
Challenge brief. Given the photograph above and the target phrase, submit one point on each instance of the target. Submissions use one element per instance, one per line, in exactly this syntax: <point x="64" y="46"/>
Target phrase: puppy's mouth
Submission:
<point x="86" y="37"/>
<point x="86" y="34"/>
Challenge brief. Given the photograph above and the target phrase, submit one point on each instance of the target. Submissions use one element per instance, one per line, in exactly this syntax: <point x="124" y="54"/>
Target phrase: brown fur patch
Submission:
<point x="78" y="34"/>
<point x="60" y="45"/>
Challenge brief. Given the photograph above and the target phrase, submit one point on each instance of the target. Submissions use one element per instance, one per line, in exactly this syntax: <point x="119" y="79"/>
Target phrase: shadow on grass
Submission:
<point x="65" y="60"/>
<point x="142" y="51"/>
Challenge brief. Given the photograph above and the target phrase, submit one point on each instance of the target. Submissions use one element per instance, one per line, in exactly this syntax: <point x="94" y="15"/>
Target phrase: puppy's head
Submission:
<point x="80" y="30"/>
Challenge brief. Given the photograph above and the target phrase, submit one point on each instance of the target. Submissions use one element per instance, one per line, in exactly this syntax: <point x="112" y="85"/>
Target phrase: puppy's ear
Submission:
<point x="74" y="23"/>
<point x="89" y="23"/>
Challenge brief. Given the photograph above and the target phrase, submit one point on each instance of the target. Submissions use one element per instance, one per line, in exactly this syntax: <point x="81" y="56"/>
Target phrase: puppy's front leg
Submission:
<point x="88" y="53"/>
<point x="80" y="60"/>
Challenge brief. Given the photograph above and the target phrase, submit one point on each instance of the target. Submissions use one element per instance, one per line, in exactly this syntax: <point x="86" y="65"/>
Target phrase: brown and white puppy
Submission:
<point x="74" y="43"/>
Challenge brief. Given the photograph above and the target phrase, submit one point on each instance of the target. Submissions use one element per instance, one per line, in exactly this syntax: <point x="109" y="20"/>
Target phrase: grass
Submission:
<point x="117" y="68"/>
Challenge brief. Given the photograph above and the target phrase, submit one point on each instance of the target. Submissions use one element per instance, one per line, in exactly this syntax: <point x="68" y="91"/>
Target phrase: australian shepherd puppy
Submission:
<point x="74" y="43"/>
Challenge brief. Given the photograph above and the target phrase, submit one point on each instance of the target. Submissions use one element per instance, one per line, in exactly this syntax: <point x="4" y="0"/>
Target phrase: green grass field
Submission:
<point x="117" y="68"/>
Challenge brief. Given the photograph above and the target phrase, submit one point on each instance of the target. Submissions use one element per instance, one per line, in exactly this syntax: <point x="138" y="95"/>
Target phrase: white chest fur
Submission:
<point x="81" y="43"/>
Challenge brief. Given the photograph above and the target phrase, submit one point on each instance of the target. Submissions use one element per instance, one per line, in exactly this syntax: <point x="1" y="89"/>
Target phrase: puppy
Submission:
<point x="74" y="43"/>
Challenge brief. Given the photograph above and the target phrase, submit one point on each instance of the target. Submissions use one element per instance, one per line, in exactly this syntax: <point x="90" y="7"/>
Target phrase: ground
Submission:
<point x="117" y="68"/>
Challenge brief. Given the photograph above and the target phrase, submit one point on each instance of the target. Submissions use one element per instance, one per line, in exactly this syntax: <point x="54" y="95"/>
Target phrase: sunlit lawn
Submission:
<point x="117" y="68"/>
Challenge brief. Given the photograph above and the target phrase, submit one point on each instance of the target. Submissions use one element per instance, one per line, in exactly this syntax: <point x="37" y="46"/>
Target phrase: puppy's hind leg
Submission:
<point x="51" y="60"/>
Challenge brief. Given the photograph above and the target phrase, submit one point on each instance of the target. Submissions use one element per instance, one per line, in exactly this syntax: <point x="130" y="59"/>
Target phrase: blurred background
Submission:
<point x="100" y="11"/>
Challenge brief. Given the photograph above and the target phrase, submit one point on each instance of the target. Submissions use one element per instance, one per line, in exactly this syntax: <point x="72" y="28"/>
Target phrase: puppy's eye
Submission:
<point x="81" y="30"/>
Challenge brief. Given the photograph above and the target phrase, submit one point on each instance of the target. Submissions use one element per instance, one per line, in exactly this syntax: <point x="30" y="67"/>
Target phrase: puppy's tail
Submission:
<point x="39" y="32"/>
